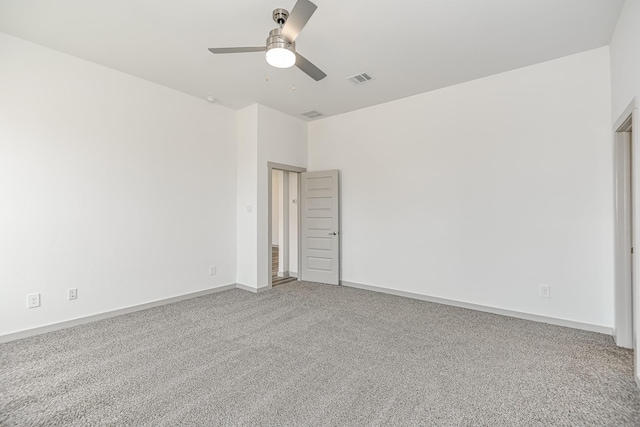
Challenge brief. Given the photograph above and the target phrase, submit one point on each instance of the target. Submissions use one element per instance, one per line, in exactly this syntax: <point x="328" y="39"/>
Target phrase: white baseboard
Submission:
<point x="126" y="310"/>
<point x="106" y="315"/>
<point x="504" y="312"/>
<point x="252" y="289"/>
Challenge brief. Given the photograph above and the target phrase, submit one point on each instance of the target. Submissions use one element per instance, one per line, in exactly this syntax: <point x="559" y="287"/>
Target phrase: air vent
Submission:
<point x="312" y="114"/>
<point x="359" y="79"/>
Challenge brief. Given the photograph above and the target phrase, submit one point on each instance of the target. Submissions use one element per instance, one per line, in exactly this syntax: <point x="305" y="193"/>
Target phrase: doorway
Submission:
<point x="308" y="245"/>
<point x="283" y="223"/>
<point x="624" y="236"/>
<point x="625" y="270"/>
<point x="284" y="227"/>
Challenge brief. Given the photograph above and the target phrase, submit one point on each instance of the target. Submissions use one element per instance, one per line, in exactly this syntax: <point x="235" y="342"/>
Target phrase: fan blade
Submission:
<point x="297" y="19"/>
<point x="237" y="49"/>
<point x="310" y="69"/>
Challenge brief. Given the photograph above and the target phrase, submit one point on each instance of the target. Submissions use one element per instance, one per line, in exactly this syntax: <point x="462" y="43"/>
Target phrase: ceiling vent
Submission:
<point x="359" y="79"/>
<point x="312" y="114"/>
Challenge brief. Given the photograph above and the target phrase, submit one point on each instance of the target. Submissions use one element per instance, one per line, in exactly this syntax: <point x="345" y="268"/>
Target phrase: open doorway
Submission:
<point x="308" y="245"/>
<point x="284" y="226"/>
<point x="283" y="223"/>
<point x="624" y="235"/>
<point x="626" y="308"/>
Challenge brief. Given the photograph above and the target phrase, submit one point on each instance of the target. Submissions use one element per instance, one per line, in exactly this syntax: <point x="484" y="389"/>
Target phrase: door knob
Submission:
<point x="333" y="234"/>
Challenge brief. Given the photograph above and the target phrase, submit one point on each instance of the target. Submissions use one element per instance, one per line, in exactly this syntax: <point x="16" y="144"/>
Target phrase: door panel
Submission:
<point x="320" y="208"/>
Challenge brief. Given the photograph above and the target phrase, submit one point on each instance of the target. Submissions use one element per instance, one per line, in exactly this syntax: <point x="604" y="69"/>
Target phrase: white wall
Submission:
<point x="264" y="135"/>
<point x="625" y="86"/>
<point x="293" y="224"/>
<point x="625" y="58"/>
<point x="282" y="139"/>
<point x="482" y="191"/>
<point x="110" y="184"/>
<point x="247" y="195"/>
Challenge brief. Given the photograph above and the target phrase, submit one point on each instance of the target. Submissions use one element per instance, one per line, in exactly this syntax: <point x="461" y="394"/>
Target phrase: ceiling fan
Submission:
<point x="281" y="43"/>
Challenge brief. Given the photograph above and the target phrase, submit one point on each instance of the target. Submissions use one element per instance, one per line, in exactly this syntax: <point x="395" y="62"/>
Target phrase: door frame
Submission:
<point x="624" y="195"/>
<point x="271" y="166"/>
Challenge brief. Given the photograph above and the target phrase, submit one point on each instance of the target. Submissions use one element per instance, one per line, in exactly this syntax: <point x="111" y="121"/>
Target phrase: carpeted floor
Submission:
<point x="309" y="354"/>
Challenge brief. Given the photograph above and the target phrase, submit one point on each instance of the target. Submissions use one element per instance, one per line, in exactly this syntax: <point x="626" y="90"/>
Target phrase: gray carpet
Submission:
<point x="309" y="354"/>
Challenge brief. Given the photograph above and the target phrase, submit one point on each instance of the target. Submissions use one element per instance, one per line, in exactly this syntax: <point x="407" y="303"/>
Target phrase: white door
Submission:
<point x="319" y="220"/>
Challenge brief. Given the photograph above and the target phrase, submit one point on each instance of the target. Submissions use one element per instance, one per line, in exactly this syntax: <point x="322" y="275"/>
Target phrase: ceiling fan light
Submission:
<point x="280" y="57"/>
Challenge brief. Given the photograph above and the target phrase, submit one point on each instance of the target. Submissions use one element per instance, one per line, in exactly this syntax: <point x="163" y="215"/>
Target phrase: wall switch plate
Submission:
<point x="212" y="270"/>
<point x="33" y="300"/>
<point x="545" y="291"/>
<point x="72" y="294"/>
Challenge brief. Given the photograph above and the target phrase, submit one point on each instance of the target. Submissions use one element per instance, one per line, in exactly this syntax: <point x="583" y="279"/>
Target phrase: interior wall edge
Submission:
<point x="251" y="288"/>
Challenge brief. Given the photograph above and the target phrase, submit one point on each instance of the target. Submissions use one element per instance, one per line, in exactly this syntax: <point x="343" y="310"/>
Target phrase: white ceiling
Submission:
<point x="407" y="46"/>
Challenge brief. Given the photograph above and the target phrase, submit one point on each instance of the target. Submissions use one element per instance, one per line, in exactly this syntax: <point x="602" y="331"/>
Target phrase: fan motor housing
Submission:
<point x="275" y="40"/>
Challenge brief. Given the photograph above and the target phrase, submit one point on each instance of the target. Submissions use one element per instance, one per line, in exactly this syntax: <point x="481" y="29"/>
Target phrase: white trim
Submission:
<point x="109" y="314"/>
<point x="627" y="298"/>
<point x="501" y="311"/>
<point x="631" y="108"/>
<point x="252" y="289"/>
<point x="623" y="240"/>
<point x="283" y="167"/>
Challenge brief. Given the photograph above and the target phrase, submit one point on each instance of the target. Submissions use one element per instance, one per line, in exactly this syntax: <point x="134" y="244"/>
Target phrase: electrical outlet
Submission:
<point x="72" y="294"/>
<point x="212" y="270"/>
<point x="33" y="300"/>
<point x="545" y="291"/>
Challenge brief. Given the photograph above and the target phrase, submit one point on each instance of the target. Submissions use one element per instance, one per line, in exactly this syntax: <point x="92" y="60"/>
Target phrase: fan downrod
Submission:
<point x="280" y="16"/>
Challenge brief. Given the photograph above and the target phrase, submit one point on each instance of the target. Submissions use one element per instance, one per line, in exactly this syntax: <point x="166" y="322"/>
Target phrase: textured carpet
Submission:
<point x="309" y="354"/>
